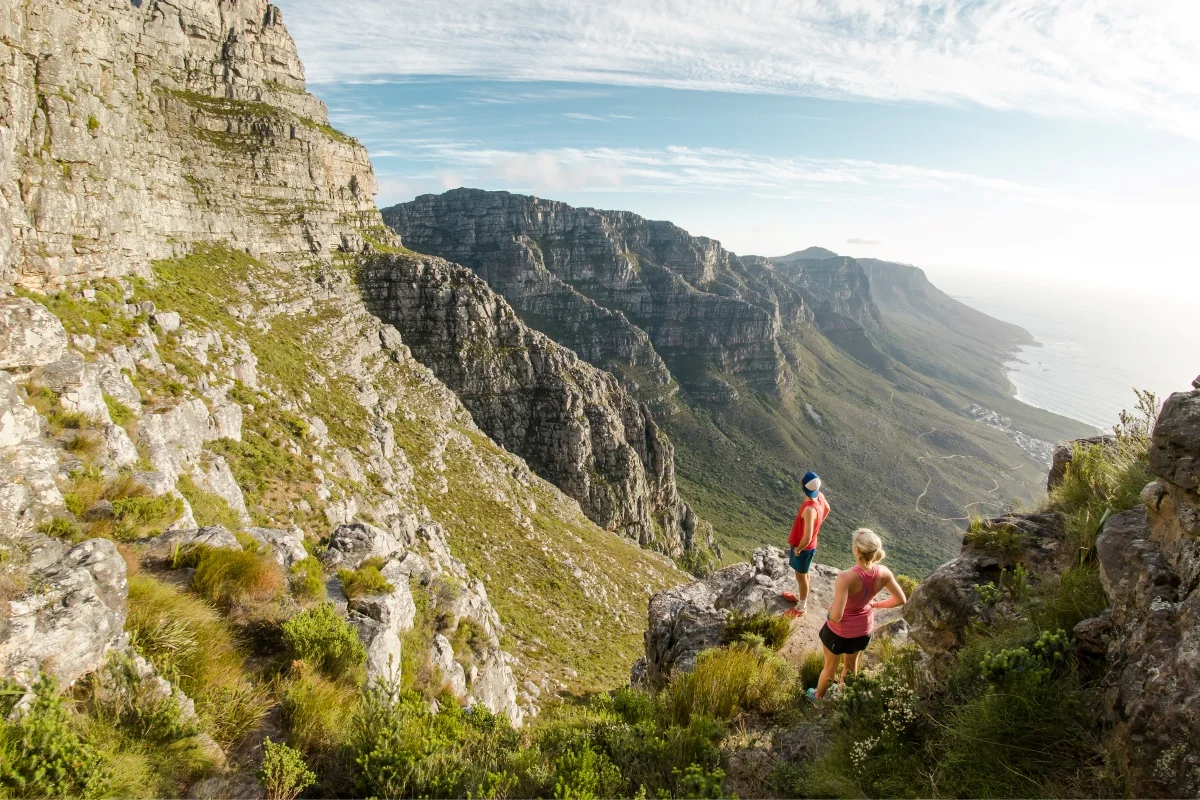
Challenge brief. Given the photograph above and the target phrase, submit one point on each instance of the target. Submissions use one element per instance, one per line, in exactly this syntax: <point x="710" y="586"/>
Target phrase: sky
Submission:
<point x="1054" y="142"/>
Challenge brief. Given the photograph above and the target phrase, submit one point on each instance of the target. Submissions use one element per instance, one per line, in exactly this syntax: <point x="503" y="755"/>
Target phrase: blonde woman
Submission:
<point x="851" y="619"/>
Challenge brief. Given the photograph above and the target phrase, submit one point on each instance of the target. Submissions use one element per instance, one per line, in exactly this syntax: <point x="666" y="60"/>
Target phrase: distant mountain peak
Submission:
<point x="808" y="252"/>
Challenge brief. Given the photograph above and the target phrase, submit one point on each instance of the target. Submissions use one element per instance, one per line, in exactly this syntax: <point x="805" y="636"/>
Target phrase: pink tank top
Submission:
<point x="859" y="618"/>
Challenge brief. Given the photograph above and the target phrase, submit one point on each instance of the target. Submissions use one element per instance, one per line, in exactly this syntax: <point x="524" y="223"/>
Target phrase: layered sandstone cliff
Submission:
<point x="621" y="290"/>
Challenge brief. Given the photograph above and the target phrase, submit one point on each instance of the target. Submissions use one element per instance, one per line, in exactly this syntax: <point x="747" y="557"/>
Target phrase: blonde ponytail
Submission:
<point x="868" y="546"/>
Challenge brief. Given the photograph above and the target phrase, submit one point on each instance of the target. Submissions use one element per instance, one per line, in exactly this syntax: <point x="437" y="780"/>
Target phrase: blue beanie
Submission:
<point x="812" y="484"/>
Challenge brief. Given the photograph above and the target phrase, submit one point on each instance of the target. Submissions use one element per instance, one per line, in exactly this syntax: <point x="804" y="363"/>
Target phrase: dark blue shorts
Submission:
<point x="801" y="563"/>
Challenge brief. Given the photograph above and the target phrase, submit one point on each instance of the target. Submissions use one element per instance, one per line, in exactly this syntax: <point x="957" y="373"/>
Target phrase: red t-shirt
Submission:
<point x="822" y="507"/>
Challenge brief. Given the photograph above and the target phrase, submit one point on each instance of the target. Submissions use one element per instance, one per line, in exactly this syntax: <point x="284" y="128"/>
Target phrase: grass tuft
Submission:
<point x="227" y="576"/>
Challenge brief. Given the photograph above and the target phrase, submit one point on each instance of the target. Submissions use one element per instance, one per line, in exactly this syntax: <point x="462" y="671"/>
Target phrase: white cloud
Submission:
<point x="584" y="117"/>
<point x="866" y="242"/>
<point x="688" y="169"/>
<point x="1117" y="60"/>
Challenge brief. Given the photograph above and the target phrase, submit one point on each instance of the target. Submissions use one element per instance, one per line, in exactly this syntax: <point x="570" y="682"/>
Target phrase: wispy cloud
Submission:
<point x="1116" y="60"/>
<point x="688" y="169"/>
<point x="576" y="115"/>
<point x="866" y="242"/>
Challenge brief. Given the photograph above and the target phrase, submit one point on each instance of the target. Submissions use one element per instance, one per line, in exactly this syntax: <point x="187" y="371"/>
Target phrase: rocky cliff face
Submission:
<point x="618" y="289"/>
<point x="183" y="347"/>
<point x="572" y="422"/>
<point x="133" y="130"/>
<point x="1150" y="566"/>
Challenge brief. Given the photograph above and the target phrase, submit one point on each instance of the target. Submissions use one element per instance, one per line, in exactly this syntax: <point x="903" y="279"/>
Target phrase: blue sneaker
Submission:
<point x="811" y="694"/>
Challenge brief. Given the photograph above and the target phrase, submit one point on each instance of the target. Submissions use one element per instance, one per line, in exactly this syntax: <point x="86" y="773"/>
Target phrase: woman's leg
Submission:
<point x="852" y="662"/>
<point x="826" y="672"/>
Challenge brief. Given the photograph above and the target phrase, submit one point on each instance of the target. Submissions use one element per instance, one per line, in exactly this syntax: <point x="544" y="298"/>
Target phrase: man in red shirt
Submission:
<point x="802" y="543"/>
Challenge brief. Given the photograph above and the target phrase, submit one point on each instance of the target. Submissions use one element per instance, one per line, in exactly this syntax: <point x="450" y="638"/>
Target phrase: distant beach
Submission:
<point x="1093" y="347"/>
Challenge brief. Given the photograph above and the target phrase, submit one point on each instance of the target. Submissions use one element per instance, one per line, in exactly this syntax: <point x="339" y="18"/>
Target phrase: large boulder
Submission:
<point x="1175" y="445"/>
<point x="944" y="604"/>
<point x="688" y="619"/>
<point x="166" y="545"/>
<point x="30" y="336"/>
<point x="70" y="617"/>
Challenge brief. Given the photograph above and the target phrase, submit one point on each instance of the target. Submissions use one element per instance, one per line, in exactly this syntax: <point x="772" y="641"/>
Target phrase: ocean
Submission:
<point x="1094" y="346"/>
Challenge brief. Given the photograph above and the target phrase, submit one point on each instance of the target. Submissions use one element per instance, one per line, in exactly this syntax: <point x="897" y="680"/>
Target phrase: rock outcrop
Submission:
<point x="626" y="293"/>
<point x="1150" y="567"/>
<point x="76" y="616"/>
<point x="417" y="554"/>
<point x="133" y="130"/>
<point x="572" y="423"/>
<point x="688" y="619"/>
<point x="947" y="602"/>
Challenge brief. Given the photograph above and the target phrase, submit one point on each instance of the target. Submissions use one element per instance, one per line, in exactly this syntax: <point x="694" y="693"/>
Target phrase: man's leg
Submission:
<point x="802" y="592"/>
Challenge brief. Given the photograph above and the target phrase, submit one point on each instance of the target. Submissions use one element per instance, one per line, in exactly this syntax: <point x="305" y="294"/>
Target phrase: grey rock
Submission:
<point x="164" y="546"/>
<point x="1175" y="445"/>
<point x="76" y="615"/>
<point x="19" y="422"/>
<point x="352" y="543"/>
<point x="30" y="336"/>
<point x="167" y="321"/>
<point x="383" y="647"/>
<point x="286" y="546"/>
<point x="441" y="654"/>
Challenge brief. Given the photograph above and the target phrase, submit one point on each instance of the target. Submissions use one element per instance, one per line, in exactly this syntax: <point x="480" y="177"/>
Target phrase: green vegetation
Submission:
<point x="207" y="508"/>
<point x="326" y="641"/>
<point x="102" y="317"/>
<point x="93" y="123"/>
<point x="1015" y="711"/>
<point x="811" y="665"/>
<point x="135" y="513"/>
<point x="188" y="643"/>
<point x="120" y="413"/>
<point x="307" y="580"/>
<point x="283" y="773"/>
<point x="728" y="681"/>
<point x="773" y="629"/>
<point x="365" y="580"/>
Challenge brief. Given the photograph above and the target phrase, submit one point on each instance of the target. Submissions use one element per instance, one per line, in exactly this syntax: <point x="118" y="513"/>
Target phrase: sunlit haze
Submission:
<point x="1014" y="138"/>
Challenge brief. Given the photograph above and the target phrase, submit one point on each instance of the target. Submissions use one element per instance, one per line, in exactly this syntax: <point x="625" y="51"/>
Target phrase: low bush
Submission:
<point x="59" y="528"/>
<point x="773" y="628"/>
<point x="307" y="579"/>
<point x="135" y="512"/>
<point x="283" y="773"/>
<point x="326" y="641"/>
<point x="316" y="714"/>
<point x="43" y="755"/>
<point x="120" y="413"/>
<point x="226" y="576"/>
<point x="366" y="580"/>
<point x="85" y="444"/>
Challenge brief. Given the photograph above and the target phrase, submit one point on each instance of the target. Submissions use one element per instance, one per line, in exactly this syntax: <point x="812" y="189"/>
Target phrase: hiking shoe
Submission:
<point x="811" y="694"/>
<point x="789" y="597"/>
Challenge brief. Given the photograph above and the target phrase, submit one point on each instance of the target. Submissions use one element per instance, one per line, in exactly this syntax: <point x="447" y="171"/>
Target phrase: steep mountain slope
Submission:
<point x="184" y="345"/>
<point x="812" y="383"/>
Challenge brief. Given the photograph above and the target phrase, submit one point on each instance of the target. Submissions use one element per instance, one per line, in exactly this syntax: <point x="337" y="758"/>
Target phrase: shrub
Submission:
<point x="325" y="640"/>
<point x="42" y="755"/>
<point x="727" y="681"/>
<point x="811" y="665"/>
<point x="120" y="698"/>
<point x="226" y="576"/>
<point x="135" y="512"/>
<point x="316" y="714"/>
<point x="909" y="585"/>
<point x="307" y="579"/>
<point x="366" y="580"/>
<point x="59" y="528"/>
<point x="207" y="508"/>
<point x="283" y="773"/>
<point x="992" y="536"/>
<point x="773" y="628"/>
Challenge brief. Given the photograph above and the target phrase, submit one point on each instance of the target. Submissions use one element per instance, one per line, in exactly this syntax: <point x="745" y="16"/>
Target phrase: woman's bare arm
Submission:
<point x="897" y="598"/>
<point x="841" y="593"/>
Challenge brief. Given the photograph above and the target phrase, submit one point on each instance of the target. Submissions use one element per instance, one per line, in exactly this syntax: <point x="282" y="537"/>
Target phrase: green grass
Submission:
<point x="773" y="629"/>
<point x="207" y="508"/>
<point x="224" y="577"/>
<point x="120" y="413"/>
<point x="729" y="681"/>
<point x="103" y="317"/>
<point x="192" y="646"/>
<point x="135" y="512"/>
